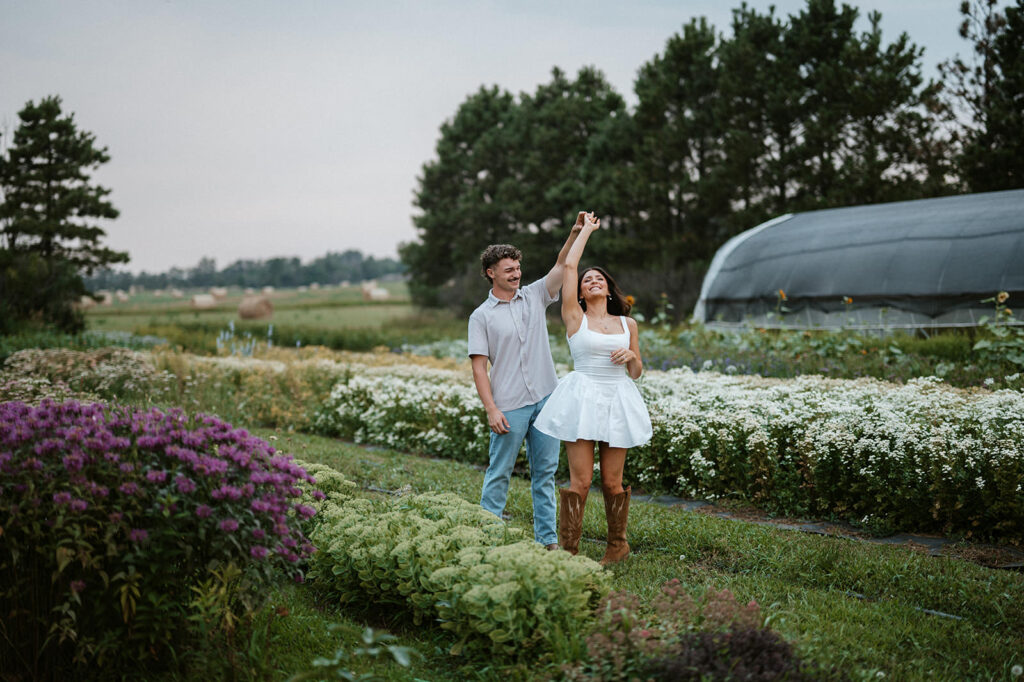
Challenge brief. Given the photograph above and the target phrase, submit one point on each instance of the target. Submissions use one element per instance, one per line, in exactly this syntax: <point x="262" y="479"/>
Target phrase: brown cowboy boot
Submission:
<point x="570" y="520"/>
<point x="616" y="511"/>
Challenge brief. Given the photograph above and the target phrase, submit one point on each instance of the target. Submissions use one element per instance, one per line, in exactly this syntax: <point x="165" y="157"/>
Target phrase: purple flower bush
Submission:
<point x="109" y="515"/>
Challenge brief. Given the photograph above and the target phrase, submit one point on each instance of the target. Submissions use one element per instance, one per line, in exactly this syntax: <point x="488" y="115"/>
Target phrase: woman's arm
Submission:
<point x="572" y="313"/>
<point x="630" y="356"/>
<point x="553" y="280"/>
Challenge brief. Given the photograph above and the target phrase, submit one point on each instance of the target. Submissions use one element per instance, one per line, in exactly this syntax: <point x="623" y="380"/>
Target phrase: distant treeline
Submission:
<point x="334" y="268"/>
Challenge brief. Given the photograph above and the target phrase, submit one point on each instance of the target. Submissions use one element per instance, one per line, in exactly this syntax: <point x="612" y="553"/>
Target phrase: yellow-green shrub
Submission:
<point x="443" y="558"/>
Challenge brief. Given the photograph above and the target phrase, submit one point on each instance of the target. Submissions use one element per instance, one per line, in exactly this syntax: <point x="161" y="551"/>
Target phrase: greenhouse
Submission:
<point x="909" y="264"/>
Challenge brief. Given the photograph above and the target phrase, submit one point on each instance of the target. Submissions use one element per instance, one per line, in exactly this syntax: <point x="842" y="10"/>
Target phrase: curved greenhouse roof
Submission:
<point x="925" y="263"/>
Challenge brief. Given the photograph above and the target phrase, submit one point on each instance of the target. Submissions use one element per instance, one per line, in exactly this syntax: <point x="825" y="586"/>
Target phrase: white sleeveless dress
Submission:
<point x="597" y="400"/>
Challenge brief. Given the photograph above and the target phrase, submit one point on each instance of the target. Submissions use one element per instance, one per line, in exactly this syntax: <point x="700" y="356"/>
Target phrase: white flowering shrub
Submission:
<point x="410" y="408"/>
<point x="917" y="456"/>
<point x="444" y="559"/>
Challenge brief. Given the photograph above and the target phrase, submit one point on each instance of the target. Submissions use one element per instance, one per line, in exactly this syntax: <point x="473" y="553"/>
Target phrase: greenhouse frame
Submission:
<point x="921" y="264"/>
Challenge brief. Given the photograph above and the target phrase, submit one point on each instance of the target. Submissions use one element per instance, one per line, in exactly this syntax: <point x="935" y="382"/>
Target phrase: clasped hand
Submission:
<point x="586" y="219"/>
<point x="622" y="355"/>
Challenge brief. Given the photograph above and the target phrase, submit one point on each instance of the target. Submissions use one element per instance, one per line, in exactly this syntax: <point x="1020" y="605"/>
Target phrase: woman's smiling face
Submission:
<point x="593" y="285"/>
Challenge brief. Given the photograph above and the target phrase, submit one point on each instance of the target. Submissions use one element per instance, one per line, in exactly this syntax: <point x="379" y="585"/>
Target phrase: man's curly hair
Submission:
<point x="494" y="253"/>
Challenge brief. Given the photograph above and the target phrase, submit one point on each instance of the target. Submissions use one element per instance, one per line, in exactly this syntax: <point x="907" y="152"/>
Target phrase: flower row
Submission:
<point x="919" y="456"/>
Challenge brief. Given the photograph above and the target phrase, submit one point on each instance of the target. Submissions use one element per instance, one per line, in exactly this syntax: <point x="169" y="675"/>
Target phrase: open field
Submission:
<point x="333" y="308"/>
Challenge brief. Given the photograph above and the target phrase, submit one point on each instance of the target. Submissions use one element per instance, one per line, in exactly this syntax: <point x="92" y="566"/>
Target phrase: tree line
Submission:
<point x="779" y="116"/>
<point x="332" y="268"/>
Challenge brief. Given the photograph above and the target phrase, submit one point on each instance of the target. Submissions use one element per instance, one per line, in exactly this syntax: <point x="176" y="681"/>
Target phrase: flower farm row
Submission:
<point x="920" y="456"/>
<point x="917" y="456"/>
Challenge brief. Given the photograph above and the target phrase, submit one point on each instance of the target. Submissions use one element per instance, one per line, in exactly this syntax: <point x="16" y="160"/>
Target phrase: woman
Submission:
<point x="596" y="403"/>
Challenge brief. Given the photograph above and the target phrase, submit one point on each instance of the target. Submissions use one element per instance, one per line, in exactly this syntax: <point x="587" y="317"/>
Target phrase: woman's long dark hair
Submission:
<point x="617" y="303"/>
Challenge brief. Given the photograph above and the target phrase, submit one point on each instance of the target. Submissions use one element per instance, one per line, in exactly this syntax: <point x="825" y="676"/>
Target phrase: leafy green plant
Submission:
<point x="376" y="645"/>
<point x="1004" y="335"/>
<point x="438" y="557"/>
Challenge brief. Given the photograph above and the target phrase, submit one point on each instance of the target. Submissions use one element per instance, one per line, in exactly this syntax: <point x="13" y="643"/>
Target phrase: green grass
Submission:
<point x="326" y="317"/>
<point x="807" y="584"/>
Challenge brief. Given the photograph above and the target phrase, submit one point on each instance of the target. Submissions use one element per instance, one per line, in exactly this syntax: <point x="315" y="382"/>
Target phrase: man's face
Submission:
<point x="506" y="274"/>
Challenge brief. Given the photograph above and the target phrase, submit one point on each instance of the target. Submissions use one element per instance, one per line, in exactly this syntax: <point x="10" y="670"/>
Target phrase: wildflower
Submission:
<point x="847" y="300"/>
<point x="782" y="295"/>
<point x="77" y="586"/>
<point x="630" y="300"/>
<point x="61" y="498"/>
<point x="203" y="511"/>
<point x="138" y="535"/>
<point x="1017" y="670"/>
<point x="79" y="505"/>
<point x="129" y="488"/>
<point x="184" y="484"/>
<point x="228" y="525"/>
<point x="1002" y="296"/>
<point x="156" y="476"/>
<point x="258" y="552"/>
<point x="115" y="517"/>
<point x="259" y="533"/>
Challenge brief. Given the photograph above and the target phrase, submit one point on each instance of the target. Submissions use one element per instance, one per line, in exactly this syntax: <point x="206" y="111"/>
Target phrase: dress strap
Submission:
<point x="625" y="327"/>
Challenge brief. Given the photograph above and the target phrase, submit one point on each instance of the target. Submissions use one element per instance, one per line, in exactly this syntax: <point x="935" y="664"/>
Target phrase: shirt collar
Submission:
<point x="494" y="300"/>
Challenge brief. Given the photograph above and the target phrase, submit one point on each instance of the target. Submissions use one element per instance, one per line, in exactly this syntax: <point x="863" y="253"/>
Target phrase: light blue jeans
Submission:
<point x="542" y="456"/>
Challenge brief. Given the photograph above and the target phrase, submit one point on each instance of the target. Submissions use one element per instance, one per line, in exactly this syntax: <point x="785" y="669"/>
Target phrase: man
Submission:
<point x="509" y="329"/>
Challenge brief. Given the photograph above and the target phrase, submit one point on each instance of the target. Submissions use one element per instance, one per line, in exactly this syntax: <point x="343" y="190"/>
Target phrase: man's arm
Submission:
<point x="553" y="280"/>
<point x="495" y="418"/>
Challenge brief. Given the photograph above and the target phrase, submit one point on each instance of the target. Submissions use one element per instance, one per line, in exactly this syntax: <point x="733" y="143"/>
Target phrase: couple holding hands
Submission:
<point x="597" y="404"/>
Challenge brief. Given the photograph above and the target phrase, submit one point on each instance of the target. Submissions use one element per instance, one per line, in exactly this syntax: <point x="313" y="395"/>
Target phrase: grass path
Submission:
<point x="859" y="606"/>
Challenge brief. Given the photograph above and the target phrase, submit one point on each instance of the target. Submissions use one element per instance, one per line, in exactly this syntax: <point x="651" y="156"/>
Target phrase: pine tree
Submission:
<point x="49" y="232"/>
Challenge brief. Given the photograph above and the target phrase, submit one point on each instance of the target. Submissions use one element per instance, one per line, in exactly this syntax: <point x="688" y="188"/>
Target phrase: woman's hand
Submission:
<point x="591" y="221"/>
<point x="622" y="355"/>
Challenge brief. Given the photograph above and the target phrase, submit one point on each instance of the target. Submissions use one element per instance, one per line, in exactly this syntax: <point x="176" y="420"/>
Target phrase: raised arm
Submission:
<point x="553" y="280"/>
<point x="572" y="312"/>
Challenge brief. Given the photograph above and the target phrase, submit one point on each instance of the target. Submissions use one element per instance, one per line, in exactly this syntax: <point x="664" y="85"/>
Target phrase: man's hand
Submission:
<point x="579" y="222"/>
<point x="496" y="420"/>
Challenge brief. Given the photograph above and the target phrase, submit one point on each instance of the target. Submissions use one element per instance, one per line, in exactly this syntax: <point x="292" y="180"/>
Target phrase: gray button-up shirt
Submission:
<point x="514" y="337"/>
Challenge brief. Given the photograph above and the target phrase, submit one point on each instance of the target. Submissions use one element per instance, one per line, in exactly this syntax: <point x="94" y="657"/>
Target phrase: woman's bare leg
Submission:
<point x="581" y="466"/>
<point x="613" y="460"/>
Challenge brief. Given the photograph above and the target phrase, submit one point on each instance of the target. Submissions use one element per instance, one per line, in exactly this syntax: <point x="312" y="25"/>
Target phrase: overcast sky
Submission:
<point x="254" y="129"/>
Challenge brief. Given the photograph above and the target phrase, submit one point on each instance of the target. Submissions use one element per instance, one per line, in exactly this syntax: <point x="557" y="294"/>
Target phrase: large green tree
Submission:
<point x="50" y="217"/>
<point x="984" y="96"/>
<point x="507" y="171"/>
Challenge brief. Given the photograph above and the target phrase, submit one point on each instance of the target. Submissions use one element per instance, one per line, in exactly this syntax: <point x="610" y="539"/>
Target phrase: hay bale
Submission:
<point x="219" y="292"/>
<point x="255" y="308"/>
<point x="314" y="286"/>
<point x="177" y="293"/>
<point x="86" y="302"/>
<point x="202" y="301"/>
<point x="267" y="290"/>
<point x="378" y="294"/>
<point x="122" y="297"/>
